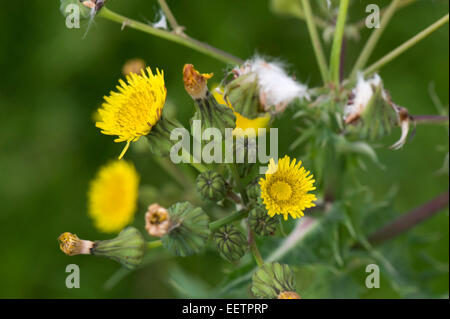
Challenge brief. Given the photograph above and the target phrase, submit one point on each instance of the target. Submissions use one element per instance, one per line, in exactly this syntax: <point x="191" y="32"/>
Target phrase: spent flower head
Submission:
<point x="157" y="220"/>
<point x="276" y="88"/>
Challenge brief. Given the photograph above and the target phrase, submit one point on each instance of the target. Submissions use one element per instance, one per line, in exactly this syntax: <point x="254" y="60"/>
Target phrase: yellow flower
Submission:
<point x="135" y="109"/>
<point x="113" y="195"/>
<point x="285" y="188"/>
<point x="242" y="122"/>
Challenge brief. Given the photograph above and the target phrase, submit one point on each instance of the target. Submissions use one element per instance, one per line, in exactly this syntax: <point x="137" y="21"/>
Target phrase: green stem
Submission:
<point x="174" y="171"/>
<point x="337" y="42"/>
<point x="407" y="45"/>
<point x="170" y="17"/>
<point x="154" y="244"/>
<point x="228" y="219"/>
<point x="237" y="178"/>
<point x="374" y="37"/>
<point x="183" y="40"/>
<point x="190" y="159"/>
<point x="320" y="56"/>
<point x="255" y="251"/>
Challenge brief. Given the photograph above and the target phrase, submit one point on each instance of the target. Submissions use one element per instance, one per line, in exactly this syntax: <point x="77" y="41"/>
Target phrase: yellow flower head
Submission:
<point x="285" y="188"/>
<point x="113" y="195"/>
<point x="242" y="122"/>
<point x="137" y="106"/>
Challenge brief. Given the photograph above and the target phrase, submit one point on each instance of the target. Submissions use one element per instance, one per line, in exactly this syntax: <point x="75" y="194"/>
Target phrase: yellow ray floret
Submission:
<point x="242" y="122"/>
<point x="112" y="196"/>
<point x="137" y="106"/>
<point x="285" y="188"/>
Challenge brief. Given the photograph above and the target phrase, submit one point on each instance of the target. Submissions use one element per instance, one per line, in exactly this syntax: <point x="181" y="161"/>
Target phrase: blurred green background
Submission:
<point x="53" y="80"/>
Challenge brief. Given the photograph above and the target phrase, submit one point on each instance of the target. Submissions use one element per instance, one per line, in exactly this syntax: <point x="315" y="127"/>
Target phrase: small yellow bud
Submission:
<point x="288" y="295"/>
<point x="157" y="220"/>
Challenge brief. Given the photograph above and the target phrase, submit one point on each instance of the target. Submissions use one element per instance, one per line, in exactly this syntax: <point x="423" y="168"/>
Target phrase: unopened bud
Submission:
<point x="261" y="223"/>
<point x="230" y="242"/>
<point x="273" y="280"/>
<point x="211" y="186"/>
<point x="189" y="230"/>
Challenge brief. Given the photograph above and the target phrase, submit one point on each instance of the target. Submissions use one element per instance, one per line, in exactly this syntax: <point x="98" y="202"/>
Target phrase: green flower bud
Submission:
<point x="254" y="190"/>
<point x="85" y="12"/>
<point x="261" y="223"/>
<point x="127" y="248"/>
<point x="231" y="243"/>
<point x="211" y="186"/>
<point x="188" y="231"/>
<point x="273" y="281"/>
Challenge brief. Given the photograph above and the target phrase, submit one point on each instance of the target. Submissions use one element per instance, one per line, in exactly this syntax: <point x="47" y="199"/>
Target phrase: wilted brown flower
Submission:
<point x="195" y="83"/>
<point x="157" y="220"/>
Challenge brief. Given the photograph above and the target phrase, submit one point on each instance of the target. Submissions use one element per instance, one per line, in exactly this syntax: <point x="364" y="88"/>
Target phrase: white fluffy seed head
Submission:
<point x="276" y="87"/>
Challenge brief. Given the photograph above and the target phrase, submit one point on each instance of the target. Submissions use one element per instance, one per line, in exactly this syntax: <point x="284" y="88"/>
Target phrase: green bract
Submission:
<point x="189" y="230"/>
<point x="261" y="223"/>
<point x="272" y="279"/>
<point x="231" y="243"/>
<point x="127" y="248"/>
<point x="211" y="186"/>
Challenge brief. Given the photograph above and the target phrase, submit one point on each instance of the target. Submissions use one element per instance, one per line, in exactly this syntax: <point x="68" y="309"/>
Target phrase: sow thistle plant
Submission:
<point x="266" y="226"/>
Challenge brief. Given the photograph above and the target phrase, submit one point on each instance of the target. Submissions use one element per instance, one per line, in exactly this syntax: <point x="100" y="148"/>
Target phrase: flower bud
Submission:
<point x="209" y="111"/>
<point x="67" y="7"/>
<point x="211" y="186"/>
<point x="273" y="281"/>
<point x="157" y="220"/>
<point x="189" y="230"/>
<point x="231" y="243"/>
<point x="254" y="190"/>
<point x="127" y="248"/>
<point x="261" y="223"/>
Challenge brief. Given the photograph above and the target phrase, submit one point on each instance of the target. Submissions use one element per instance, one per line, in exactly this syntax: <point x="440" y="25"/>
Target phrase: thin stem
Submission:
<point x="187" y="157"/>
<point x="430" y="119"/>
<point x="373" y="39"/>
<point x="407" y="45"/>
<point x="337" y="42"/>
<point x="255" y="251"/>
<point x="320" y="56"/>
<point x="174" y="171"/>
<point x="154" y="244"/>
<point x="410" y="219"/>
<point x="228" y="219"/>
<point x="183" y="40"/>
<point x="170" y="17"/>
<point x="237" y="178"/>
